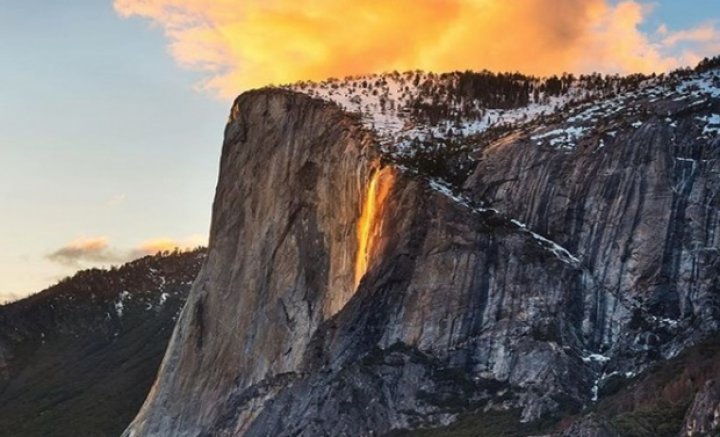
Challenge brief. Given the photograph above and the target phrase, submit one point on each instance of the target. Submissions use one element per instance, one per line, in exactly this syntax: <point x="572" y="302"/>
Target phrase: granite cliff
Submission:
<point x="354" y="287"/>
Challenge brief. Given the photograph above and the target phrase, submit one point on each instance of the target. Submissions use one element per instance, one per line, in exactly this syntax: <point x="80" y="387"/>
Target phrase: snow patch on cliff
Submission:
<point x="120" y="303"/>
<point x="565" y="138"/>
<point x="556" y="249"/>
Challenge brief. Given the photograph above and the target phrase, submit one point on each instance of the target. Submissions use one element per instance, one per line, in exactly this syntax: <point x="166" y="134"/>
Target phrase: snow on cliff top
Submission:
<point x="404" y="108"/>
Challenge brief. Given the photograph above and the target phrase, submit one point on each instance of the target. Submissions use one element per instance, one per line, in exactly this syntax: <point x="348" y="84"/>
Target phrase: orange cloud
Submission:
<point x="87" y="250"/>
<point x="250" y="43"/>
<point x="706" y="33"/>
<point x="97" y="251"/>
<point x="151" y="247"/>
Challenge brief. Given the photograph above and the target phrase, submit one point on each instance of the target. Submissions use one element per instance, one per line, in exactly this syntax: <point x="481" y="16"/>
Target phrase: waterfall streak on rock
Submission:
<point x="368" y="227"/>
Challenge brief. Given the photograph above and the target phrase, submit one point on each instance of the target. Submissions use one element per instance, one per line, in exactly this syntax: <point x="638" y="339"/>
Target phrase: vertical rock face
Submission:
<point x="446" y="320"/>
<point x="283" y="237"/>
<point x="345" y="296"/>
<point x="641" y="212"/>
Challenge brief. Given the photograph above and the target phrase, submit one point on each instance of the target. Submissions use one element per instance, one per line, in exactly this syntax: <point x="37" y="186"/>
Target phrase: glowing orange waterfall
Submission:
<point x="370" y="219"/>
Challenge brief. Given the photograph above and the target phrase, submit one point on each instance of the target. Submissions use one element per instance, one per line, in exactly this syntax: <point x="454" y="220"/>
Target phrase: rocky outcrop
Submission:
<point x="590" y="426"/>
<point x="343" y="295"/>
<point x="703" y="417"/>
<point x="281" y="259"/>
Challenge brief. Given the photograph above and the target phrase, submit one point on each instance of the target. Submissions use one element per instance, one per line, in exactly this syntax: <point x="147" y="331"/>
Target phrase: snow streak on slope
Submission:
<point x="633" y="108"/>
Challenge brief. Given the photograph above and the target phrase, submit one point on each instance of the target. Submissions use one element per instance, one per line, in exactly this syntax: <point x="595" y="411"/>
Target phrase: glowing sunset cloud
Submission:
<point x="151" y="247"/>
<point x="98" y="251"/>
<point x="250" y="43"/>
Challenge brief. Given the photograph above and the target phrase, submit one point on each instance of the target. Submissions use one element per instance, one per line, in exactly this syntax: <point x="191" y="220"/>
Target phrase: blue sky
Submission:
<point x="103" y="136"/>
<point x="680" y="14"/>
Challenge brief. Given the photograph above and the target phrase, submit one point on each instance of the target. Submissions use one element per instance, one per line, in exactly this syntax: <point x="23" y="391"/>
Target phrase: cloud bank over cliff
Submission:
<point x="239" y="45"/>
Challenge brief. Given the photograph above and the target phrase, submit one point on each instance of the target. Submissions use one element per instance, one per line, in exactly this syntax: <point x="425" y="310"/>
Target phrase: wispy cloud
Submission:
<point x="87" y="250"/>
<point x="706" y="37"/>
<point x="98" y="251"/>
<point x="153" y="246"/>
<point x="116" y="199"/>
<point x="246" y="44"/>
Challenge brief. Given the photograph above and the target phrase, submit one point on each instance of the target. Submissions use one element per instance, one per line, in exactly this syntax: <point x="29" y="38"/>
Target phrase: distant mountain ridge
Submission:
<point x="79" y="357"/>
